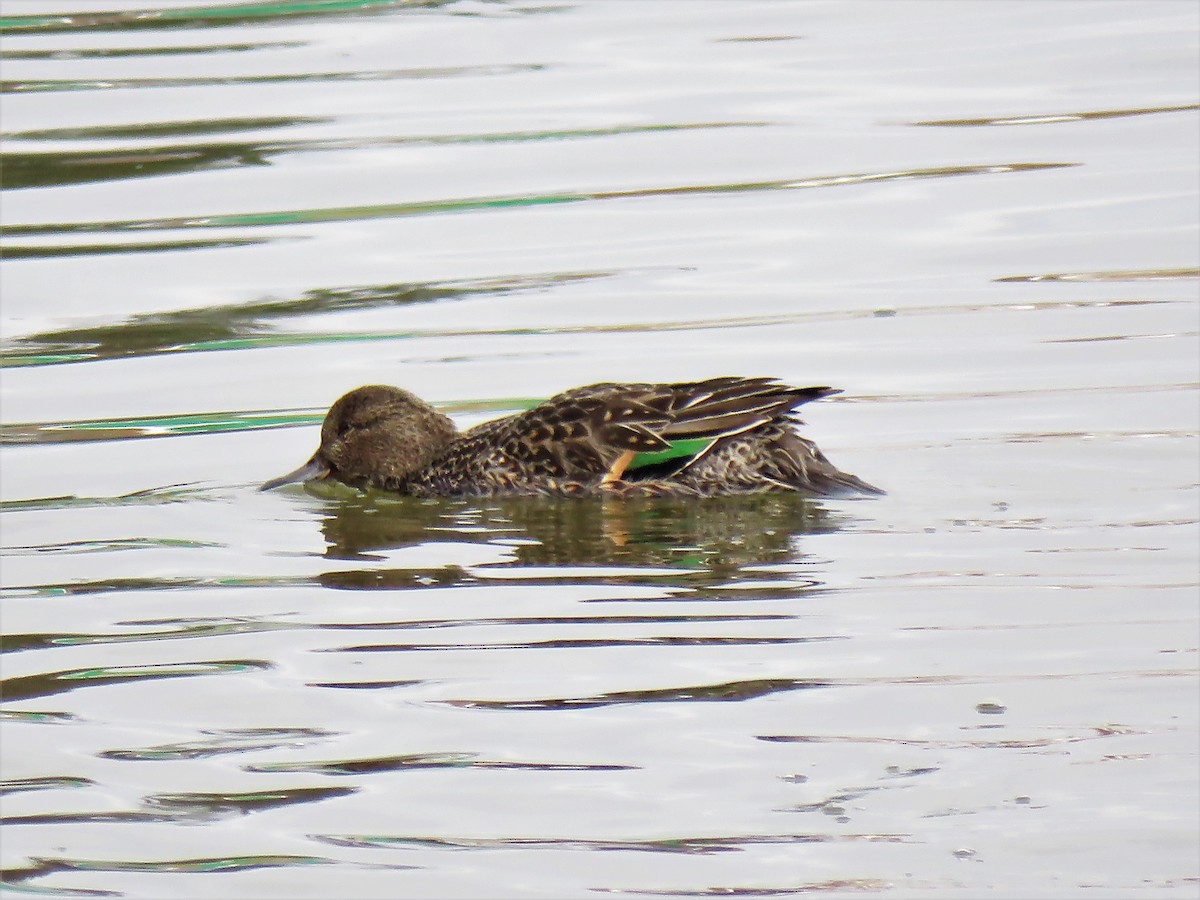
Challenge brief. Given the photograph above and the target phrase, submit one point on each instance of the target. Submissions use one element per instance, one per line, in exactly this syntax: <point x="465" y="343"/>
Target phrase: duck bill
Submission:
<point x="310" y="471"/>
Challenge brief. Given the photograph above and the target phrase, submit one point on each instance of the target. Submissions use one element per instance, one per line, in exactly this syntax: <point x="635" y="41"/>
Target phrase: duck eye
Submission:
<point x="359" y="419"/>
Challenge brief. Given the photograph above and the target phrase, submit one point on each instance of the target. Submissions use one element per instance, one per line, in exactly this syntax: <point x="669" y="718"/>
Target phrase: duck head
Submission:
<point x="374" y="435"/>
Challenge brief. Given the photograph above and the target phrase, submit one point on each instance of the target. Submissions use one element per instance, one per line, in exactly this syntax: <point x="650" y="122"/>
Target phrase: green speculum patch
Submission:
<point x="679" y="450"/>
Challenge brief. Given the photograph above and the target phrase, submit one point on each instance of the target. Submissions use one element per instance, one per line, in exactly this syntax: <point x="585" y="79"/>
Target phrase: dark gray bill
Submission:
<point x="310" y="471"/>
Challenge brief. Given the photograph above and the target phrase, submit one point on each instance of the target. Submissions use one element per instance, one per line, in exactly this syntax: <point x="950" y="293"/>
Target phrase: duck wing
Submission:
<point x="599" y="430"/>
<point x="721" y="407"/>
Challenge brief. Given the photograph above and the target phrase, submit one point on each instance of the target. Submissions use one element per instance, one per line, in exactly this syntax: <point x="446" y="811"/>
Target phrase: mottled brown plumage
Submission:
<point x="722" y="436"/>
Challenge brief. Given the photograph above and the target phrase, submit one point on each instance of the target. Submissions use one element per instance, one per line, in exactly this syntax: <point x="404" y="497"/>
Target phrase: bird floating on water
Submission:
<point x="706" y="438"/>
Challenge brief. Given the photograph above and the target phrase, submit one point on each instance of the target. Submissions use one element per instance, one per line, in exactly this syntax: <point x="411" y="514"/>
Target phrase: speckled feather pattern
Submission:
<point x="388" y="438"/>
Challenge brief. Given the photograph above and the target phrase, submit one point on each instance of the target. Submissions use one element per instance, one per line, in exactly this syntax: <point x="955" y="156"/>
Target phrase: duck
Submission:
<point x="727" y="435"/>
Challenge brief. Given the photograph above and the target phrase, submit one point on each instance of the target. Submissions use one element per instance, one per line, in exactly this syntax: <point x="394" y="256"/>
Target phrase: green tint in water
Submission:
<point x="43" y="685"/>
<point x="195" y="16"/>
<point x="24" y="170"/>
<point x="479" y="204"/>
<point x="243" y="325"/>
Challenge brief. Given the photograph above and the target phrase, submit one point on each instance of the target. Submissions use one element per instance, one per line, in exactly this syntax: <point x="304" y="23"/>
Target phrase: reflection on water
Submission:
<point x="698" y="846"/>
<point x="248" y="12"/>
<point x="1054" y="118"/>
<point x="49" y="683"/>
<point x="238" y="327"/>
<point x="457" y="205"/>
<point x="224" y="741"/>
<point x="194" y="808"/>
<point x="24" y="170"/>
<point x="719" y="535"/>
<point x="980" y="684"/>
<point x="26" y="87"/>
<point x="732" y="691"/>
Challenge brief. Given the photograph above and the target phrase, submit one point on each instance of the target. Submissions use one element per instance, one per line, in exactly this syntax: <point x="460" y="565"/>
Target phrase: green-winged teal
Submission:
<point x="721" y="436"/>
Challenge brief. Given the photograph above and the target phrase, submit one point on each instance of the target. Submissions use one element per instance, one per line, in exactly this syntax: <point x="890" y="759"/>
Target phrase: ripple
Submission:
<point x="833" y="886"/>
<point x="58" y="252"/>
<point x="225" y="15"/>
<point x="172" y="493"/>
<point x="589" y="643"/>
<point x="698" y="846"/>
<point x="185" y="332"/>
<point x="26" y="687"/>
<point x="47" y="783"/>
<point x="106" y="546"/>
<point x="224" y="742"/>
<point x="729" y="691"/>
<point x="37" y="169"/>
<point x="104" y="84"/>
<point x="427" y="761"/>
<point x="1056" y="118"/>
<point x="1117" y="276"/>
<point x="190" y="808"/>
<point x="276" y="219"/>
<point x="181" y="629"/>
<point x="241" y="326"/>
<point x="474" y="204"/>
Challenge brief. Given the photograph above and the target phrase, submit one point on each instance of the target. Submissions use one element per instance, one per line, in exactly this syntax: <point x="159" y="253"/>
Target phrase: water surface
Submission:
<point x="979" y="220"/>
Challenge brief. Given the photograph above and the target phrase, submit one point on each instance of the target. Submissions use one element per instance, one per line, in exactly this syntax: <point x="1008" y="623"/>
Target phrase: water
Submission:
<point x="979" y="220"/>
